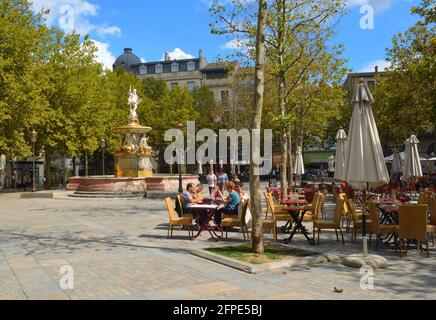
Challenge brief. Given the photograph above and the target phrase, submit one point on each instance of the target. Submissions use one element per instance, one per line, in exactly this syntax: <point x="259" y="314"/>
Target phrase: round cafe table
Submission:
<point x="295" y="202"/>
<point x="206" y="219"/>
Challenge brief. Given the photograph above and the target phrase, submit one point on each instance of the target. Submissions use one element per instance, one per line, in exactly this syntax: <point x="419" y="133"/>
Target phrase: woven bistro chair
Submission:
<point x="378" y="229"/>
<point x="346" y="216"/>
<point x="281" y="215"/>
<point x="236" y="221"/>
<point x="431" y="227"/>
<point x="323" y="209"/>
<point x="357" y="219"/>
<point x="272" y="207"/>
<point x="176" y="220"/>
<point x="181" y="201"/>
<point x="423" y="198"/>
<point x="413" y="226"/>
<point x="269" y="223"/>
<point x="334" y="224"/>
<point x="311" y="207"/>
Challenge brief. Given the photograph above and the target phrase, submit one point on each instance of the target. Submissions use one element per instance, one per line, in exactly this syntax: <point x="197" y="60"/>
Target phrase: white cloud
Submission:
<point x="74" y="15"/>
<point x="103" y="55"/>
<point x="378" y="5"/>
<point x="143" y="60"/>
<point x="112" y="31"/>
<point x="370" y="66"/>
<point x="234" y="44"/>
<point x="178" y="54"/>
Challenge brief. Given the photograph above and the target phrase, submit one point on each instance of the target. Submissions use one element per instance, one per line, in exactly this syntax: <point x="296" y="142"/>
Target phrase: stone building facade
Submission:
<point x="219" y="77"/>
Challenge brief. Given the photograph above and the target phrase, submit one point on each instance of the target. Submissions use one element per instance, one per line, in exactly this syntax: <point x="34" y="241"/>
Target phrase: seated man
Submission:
<point x="189" y="198"/>
<point x="231" y="203"/>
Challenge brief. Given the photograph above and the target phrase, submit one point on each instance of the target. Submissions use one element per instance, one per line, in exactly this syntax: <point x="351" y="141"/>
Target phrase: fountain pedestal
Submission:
<point x="133" y="154"/>
<point x="134" y="175"/>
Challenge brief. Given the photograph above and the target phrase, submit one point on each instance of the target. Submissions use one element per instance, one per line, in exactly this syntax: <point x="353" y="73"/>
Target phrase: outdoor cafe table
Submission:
<point x="205" y="214"/>
<point x="297" y="214"/>
<point x="389" y="215"/>
<point x="290" y="202"/>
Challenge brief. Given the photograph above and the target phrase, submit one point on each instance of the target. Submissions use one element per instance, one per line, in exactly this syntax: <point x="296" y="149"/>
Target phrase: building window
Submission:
<point x="175" y="67"/>
<point x="174" y="84"/>
<point x="191" y="66"/>
<point x="225" y="99"/>
<point x="159" y="68"/>
<point x="142" y="70"/>
<point x="191" y="86"/>
<point x="371" y="83"/>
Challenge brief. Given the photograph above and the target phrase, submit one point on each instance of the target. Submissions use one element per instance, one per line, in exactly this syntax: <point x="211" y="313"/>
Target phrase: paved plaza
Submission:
<point x="118" y="250"/>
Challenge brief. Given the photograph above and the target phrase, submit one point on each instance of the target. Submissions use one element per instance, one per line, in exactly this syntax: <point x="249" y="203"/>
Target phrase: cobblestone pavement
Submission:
<point x="118" y="250"/>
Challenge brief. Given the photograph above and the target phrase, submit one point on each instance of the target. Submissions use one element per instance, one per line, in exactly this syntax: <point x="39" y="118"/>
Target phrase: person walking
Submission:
<point x="211" y="180"/>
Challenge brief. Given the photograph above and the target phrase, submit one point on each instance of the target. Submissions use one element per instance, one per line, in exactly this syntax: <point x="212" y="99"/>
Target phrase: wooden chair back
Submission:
<point x="433" y="212"/>
<point x="413" y="222"/>
<point x="338" y="211"/>
<point x="318" y="205"/>
<point x="245" y="204"/>
<point x="352" y="208"/>
<point x="424" y="198"/>
<point x="171" y="213"/>
<point x="181" y="202"/>
<point x="346" y="206"/>
<point x="373" y="213"/>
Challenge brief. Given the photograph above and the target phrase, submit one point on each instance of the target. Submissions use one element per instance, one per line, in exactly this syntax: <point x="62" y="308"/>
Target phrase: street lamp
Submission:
<point x="103" y="146"/>
<point x="180" y="127"/>
<point x="34" y="136"/>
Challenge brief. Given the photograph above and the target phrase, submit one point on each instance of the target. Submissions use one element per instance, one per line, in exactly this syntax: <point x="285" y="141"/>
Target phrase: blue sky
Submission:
<point x="181" y="27"/>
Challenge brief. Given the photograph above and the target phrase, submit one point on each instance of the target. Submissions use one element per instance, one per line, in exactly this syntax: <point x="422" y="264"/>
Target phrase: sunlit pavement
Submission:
<point x="118" y="250"/>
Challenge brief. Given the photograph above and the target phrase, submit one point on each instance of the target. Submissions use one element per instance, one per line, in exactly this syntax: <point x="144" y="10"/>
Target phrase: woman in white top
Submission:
<point x="211" y="181"/>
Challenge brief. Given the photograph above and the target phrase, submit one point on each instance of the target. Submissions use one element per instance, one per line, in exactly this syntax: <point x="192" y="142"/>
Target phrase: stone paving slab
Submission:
<point x="118" y="250"/>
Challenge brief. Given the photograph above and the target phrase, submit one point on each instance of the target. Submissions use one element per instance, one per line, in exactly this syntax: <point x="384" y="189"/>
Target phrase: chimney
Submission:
<point x="167" y="56"/>
<point x="376" y="69"/>
<point x="128" y="50"/>
<point x="202" y="59"/>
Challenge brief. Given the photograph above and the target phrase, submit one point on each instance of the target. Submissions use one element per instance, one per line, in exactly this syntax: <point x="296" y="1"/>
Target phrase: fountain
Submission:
<point x="134" y="174"/>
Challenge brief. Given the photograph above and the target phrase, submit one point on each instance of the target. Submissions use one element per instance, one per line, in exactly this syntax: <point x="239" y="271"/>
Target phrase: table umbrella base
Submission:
<point x="358" y="261"/>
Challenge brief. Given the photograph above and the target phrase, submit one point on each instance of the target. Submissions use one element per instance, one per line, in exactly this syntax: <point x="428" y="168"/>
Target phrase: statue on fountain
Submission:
<point x="134" y="100"/>
<point x="133" y="154"/>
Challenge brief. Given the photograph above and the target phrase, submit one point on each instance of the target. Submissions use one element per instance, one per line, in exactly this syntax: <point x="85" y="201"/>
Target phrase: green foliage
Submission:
<point x="406" y="96"/>
<point x="51" y="82"/>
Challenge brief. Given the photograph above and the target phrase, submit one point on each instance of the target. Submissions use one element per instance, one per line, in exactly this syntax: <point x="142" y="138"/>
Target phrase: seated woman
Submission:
<point x="199" y="192"/>
<point x="239" y="188"/>
<point x="231" y="203"/>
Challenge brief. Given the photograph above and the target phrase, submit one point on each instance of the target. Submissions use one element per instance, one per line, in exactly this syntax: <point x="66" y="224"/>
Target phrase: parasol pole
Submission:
<point x="364" y="231"/>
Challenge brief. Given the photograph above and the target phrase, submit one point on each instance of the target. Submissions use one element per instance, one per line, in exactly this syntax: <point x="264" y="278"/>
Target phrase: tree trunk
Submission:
<point x="290" y="162"/>
<point x="47" y="169"/>
<point x="284" y="139"/>
<point x="86" y="165"/>
<point x="281" y="16"/>
<point x="74" y="166"/>
<point x="256" y="208"/>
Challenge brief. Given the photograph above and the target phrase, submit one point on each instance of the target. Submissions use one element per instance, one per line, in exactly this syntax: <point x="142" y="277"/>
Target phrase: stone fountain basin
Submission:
<point x="157" y="186"/>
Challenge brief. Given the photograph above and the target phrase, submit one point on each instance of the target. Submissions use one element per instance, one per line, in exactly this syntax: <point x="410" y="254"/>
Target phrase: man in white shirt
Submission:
<point x="211" y="181"/>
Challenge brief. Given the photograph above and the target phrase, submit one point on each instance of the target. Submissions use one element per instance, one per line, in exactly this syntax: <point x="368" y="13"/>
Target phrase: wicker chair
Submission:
<point x="413" y="226"/>
<point x="177" y="221"/>
<point x="379" y="230"/>
<point x="431" y="227"/>
<point x="334" y="224"/>
<point x="239" y="221"/>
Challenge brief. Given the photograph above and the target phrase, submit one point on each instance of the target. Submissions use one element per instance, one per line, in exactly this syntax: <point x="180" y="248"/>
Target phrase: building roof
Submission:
<point x="220" y="66"/>
<point x="127" y="60"/>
